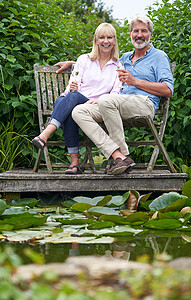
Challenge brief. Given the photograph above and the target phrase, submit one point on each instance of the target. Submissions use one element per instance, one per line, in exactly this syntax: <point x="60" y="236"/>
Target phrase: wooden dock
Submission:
<point x="25" y="180"/>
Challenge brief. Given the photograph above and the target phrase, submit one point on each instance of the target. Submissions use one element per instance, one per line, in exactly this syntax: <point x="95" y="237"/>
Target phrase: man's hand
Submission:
<point x="92" y="101"/>
<point x="125" y="76"/>
<point x="64" y="65"/>
<point x="156" y="88"/>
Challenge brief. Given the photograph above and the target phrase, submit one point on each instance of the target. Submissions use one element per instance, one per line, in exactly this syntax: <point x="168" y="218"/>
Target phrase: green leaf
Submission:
<point x="87" y="200"/>
<point x="3" y="55"/>
<point x="100" y="225"/>
<point x="27" y="220"/>
<point x="137" y="216"/>
<point x="75" y="221"/>
<point x="165" y="199"/>
<point x="169" y="215"/>
<point x="163" y="224"/>
<point x="117" y="201"/>
<point x="81" y="206"/>
<point x="68" y="203"/>
<point x="35" y="35"/>
<point x="104" y="201"/>
<point x="31" y="202"/>
<point x="114" y="218"/>
<point x="3" y="206"/>
<point x="13" y="211"/>
<point x="123" y="230"/>
<point x="176" y="205"/>
<point x="8" y="86"/>
<point x="186" y="189"/>
<point x="144" y="198"/>
<point x="6" y="227"/>
<point x="11" y="58"/>
<point x="99" y="210"/>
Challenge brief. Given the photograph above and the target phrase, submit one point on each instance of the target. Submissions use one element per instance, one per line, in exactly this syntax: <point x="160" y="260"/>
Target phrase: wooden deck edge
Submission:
<point x="28" y="181"/>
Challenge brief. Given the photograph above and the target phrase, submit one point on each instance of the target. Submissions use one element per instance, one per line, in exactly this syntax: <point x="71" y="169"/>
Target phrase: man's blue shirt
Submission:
<point x="154" y="66"/>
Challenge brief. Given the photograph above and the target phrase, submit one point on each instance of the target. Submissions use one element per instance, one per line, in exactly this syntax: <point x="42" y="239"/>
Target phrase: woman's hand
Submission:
<point x="64" y="65"/>
<point x="73" y="86"/>
<point x="92" y="101"/>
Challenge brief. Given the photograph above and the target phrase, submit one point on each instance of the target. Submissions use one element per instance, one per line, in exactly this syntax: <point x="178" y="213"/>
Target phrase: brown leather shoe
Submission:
<point x="121" y="166"/>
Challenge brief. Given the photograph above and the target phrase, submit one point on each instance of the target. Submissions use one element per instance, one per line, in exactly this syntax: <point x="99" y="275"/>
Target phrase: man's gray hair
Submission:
<point x="143" y="19"/>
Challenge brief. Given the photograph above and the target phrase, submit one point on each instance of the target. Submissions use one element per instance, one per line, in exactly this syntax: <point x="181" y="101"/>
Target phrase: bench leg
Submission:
<point x="37" y="162"/>
<point x="88" y="156"/>
<point x="47" y="159"/>
<point x="161" y="146"/>
<point x="153" y="159"/>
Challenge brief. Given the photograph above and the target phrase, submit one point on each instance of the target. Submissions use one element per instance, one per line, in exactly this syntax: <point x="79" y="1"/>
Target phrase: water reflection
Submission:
<point x="127" y="248"/>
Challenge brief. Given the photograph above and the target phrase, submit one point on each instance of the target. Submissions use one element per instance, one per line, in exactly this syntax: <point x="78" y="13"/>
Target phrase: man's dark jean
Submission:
<point x="62" y="114"/>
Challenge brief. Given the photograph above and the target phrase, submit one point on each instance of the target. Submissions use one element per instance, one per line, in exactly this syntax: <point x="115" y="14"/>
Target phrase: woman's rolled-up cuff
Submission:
<point x="55" y="123"/>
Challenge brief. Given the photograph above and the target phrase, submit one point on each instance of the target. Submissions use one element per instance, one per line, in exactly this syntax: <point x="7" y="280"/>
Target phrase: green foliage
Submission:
<point x="45" y="32"/>
<point x="172" y="26"/>
<point x="166" y="199"/>
<point x="82" y="8"/>
<point x="38" y="32"/>
<point x="11" y="144"/>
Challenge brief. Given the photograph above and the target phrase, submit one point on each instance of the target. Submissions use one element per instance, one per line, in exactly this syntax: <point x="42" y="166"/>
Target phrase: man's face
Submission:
<point x="140" y="35"/>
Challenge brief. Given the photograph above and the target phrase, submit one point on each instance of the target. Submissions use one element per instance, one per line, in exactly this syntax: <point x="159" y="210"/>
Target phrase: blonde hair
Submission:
<point x="104" y="29"/>
<point x="143" y="19"/>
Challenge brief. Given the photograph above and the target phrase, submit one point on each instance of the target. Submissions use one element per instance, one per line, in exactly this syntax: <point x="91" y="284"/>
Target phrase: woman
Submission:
<point x="94" y="75"/>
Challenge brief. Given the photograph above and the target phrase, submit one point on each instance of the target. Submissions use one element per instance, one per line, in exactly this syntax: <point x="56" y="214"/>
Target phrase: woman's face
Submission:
<point x="105" y="43"/>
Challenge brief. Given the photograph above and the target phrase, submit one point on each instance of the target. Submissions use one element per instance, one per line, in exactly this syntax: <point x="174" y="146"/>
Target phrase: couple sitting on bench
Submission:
<point x="103" y="88"/>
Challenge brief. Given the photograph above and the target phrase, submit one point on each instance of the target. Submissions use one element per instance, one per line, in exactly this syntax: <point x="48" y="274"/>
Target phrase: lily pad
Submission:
<point x="123" y="230"/>
<point x="100" y="225"/>
<point x="138" y="216"/>
<point x="3" y="206"/>
<point x="175" y="206"/>
<point x="81" y="206"/>
<point x="144" y="198"/>
<point x="99" y="210"/>
<point x="117" y="201"/>
<point x="31" y="202"/>
<point x="76" y="239"/>
<point x="114" y="218"/>
<point x="76" y="221"/>
<point x="104" y="201"/>
<point x="165" y="199"/>
<point x="26" y="235"/>
<point x="25" y="221"/>
<point x="186" y="189"/>
<point x="68" y="203"/>
<point x="169" y="215"/>
<point x="6" y="227"/>
<point x="163" y="224"/>
<point x="14" y="211"/>
<point x="92" y="201"/>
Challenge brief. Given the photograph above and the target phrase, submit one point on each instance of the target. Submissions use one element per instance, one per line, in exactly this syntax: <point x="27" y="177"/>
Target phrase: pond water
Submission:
<point x="131" y="247"/>
<point x="125" y="248"/>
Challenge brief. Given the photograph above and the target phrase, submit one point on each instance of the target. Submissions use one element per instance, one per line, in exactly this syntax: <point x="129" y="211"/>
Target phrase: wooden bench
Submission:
<point x="49" y="86"/>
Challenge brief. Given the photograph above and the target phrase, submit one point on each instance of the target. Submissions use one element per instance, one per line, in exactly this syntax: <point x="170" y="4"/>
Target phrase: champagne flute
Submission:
<point x="120" y="66"/>
<point x="74" y="73"/>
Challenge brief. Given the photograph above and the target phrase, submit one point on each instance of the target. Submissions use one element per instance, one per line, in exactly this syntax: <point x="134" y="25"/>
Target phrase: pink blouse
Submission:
<point x="92" y="81"/>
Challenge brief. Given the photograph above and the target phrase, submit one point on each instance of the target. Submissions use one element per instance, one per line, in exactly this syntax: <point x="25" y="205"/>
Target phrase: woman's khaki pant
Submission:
<point x="112" y="109"/>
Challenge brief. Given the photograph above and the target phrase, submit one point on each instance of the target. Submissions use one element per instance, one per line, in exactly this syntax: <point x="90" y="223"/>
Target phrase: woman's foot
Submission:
<point x="41" y="140"/>
<point x="73" y="170"/>
<point x="40" y="143"/>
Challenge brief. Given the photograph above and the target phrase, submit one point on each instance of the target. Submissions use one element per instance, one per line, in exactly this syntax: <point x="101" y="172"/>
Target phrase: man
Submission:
<point x="146" y="77"/>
